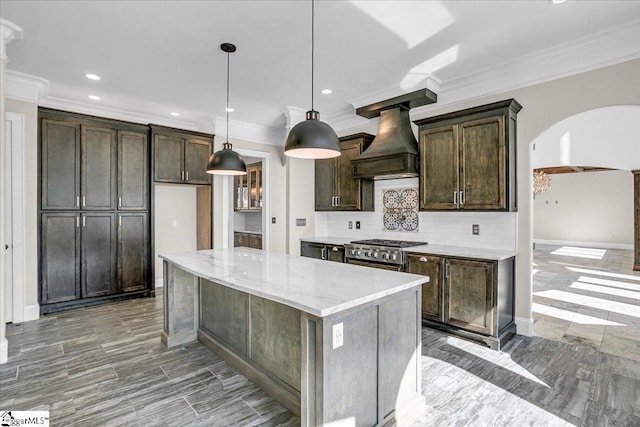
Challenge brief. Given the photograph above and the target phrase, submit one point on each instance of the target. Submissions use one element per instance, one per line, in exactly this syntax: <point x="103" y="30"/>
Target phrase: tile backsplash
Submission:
<point x="497" y="229"/>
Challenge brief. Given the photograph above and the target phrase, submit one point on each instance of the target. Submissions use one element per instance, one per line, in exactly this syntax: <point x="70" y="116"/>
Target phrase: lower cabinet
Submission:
<point x="321" y="251"/>
<point x="248" y="240"/>
<point x="473" y="298"/>
<point x="89" y="255"/>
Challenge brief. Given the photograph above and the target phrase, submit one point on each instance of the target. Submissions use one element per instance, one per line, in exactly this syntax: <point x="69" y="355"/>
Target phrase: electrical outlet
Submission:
<point x="350" y="225"/>
<point x="174" y="223"/>
<point x="338" y="336"/>
<point x="273" y="220"/>
<point x="475" y="229"/>
<point x="357" y="225"/>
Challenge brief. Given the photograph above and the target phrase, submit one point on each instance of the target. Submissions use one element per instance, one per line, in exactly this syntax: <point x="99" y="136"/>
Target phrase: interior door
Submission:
<point x="98" y="254"/>
<point x="98" y="168"/>
<point x="439" y="168"/>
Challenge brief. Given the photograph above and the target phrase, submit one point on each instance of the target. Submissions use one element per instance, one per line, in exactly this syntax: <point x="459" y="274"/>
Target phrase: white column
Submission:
<point x="8" y="31"/>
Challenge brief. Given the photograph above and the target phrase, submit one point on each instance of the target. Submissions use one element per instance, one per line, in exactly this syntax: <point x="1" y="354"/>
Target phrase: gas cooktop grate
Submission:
<point x="388" y="243"/>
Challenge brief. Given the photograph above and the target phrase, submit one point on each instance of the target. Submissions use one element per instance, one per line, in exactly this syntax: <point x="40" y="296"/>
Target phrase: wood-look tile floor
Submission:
<point x="105" y="366"/>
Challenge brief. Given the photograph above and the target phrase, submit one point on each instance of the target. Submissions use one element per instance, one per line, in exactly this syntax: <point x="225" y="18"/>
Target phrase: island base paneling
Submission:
<point x="374" y="377"/>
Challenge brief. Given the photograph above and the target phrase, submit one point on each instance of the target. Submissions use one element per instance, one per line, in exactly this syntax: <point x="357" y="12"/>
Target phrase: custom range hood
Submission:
<point x="394" y="151"/>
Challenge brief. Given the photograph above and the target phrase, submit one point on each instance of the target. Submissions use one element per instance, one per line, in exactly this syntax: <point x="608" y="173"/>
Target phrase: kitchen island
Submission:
<point x="334" y="343"/>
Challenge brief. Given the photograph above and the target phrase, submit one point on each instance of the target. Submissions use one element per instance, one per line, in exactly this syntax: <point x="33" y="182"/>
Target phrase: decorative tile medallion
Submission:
<point x="400" y="209"/>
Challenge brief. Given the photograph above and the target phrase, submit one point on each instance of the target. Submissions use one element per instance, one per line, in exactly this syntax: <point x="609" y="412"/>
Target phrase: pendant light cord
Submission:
<point x="312" y="47"/>
<point x="227" y="109"/>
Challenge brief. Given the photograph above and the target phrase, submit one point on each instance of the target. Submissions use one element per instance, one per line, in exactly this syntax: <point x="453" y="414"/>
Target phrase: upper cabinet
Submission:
<point x="248" y="189"/>
<point x="468" y="159"/>
<point x="335" y="187"/>
<point x="180" y="157"/>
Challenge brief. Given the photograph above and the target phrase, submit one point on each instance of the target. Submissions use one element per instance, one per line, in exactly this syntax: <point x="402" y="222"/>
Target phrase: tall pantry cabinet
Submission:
<point x="94" y="210"/>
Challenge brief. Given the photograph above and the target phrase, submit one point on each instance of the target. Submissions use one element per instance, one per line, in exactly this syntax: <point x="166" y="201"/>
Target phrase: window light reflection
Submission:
<point x="571" y="316"/>
<point x="604" y="273"/>
<point x="607" y="282"/>
<point x="593" y="302"/>
<point x="589" y="253"/>
<point x="606" y="290"/>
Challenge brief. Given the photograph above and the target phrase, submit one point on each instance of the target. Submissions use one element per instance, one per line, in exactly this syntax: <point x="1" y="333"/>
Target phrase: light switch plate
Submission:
<point x="338" y="336"/>
<point x="350" y="225"/>
<point x="475" y="229"/>
<point x="174" y="223"/>
<point x="273" y="220"/>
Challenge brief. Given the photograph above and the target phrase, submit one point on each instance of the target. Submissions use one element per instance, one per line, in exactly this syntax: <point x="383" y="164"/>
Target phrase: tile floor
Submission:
<point x="105" y="365"/>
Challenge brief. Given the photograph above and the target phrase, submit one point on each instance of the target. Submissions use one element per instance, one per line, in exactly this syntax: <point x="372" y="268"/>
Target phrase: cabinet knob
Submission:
<point x="423" y="259"/>
<point x="334" y="249"/>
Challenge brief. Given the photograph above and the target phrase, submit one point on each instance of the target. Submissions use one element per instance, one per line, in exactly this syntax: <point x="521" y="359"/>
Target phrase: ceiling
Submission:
<point x="158" y="57"/>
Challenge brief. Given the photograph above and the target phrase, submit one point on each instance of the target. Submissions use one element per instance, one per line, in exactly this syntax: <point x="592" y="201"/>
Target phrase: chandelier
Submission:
<point x="541" y="182"/>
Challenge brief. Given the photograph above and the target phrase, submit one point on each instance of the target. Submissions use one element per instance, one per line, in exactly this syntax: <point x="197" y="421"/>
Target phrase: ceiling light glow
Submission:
<point x="557" y="1"/>
<point x="174" y="114"/>
<point x="229" y="110"/>
<point x="326" y="91"/>
<point x="94" y="97"/>
<point x="92" y="76"/>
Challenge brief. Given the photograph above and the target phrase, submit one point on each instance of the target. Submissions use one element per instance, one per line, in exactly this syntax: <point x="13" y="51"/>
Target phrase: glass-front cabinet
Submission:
<point x="248" y="189"/>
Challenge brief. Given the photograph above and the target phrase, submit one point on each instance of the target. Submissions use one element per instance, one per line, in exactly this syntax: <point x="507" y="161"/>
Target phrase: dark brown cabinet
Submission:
<point x="335" y="187"/>
<point x="248" y="189"/>
<point x="248" y="240"/>
<point x="470" y="297"/>
<point x="432" y="292"/>
<point x="468" y="159"/>
<point x="180" y="157"/>
<point x="322" y="251"/>
<point x="94" y="233"/>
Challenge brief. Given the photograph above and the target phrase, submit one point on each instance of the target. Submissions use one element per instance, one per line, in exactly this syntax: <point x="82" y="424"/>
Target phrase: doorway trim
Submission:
<point x="15" y="143"/>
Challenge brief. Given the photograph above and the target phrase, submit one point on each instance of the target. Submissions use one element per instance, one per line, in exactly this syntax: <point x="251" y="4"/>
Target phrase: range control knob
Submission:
<point x="368" y="253"/>
<point x="394" y="257"/>
<point x="385" y="256"/>
<point x="375" y="255"/>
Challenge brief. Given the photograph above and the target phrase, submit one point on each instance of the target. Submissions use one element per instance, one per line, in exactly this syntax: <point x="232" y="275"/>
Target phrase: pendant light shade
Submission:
<point x="227" y="161"/>
<point x="312" y="139"/>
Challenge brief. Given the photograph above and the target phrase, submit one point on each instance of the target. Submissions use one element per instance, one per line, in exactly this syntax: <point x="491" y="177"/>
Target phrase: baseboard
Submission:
<point x="524" y="326"/>
<point x="4" y="350"/>
<point x="31" y="312"/>
<point x="159" y="282"/>
<point x="597" y="245"/>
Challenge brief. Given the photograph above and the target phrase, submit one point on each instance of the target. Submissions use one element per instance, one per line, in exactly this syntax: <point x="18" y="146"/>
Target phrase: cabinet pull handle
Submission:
<point x="337" y="200"/>
<point x="119" y="202"/>
<point x="84" y="221"/>
<point x="423" y="259"/>
<point x="187" y="173"/>
<point x="455" y="198"/>
<point x="119" y="220"/>
<point x="77" y="222"/>
<point x="333" y="200"/>
<point x="182" y="175"/>
<point x="446" y="270"/>
<point x="84" y="201"/>
<point x="324" y="253"/>
<point x="78" y="201"/>
<point x="462" y="197"/>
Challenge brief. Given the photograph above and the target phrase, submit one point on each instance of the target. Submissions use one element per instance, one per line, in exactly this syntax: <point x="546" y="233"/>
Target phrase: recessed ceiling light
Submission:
<point x="94" y="97"/>
<point x="326" y="91"/>
<point x="92" y="76"/>
<point x="174" y="114"/>
<point x="229" y="110"/>
<point x="557" y="1"/>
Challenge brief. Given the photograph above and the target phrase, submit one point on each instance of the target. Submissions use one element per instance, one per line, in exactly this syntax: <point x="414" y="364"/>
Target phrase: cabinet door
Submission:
<point x="60" y="257"/>
<point x="196" y="156"/>
<point x="469" y="295"/>
<point x="325" y="184"/>
<point x="255" y="187"/>
<point x="335" y="253"/>
<point x="133" y="171"/>
<point x="98" y="168"/>
<point x="348" y="188"/>
<point x="168" y="159"/>
<point x="237" y="240"/>
<point x="439" y="168"/>
<point x="312" y="250"/>
<point x="98" y="254"/>
<point x="253" y="241"/>
<point x="133" y="251"/>
<point x="482" y="172"/>
<point x="432" y="295"/>
<point x="60" y="151"/>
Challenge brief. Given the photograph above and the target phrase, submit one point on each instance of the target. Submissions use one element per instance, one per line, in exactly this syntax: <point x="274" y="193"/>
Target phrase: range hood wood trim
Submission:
<point x="401" y="165"/>
<point x="407" y="101"/>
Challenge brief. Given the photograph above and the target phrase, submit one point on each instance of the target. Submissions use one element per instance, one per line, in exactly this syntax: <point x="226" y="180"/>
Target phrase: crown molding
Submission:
<point x="8" y="32"/>
<point x="249" y="132"/>
<point x="25" y="87"/>
<point x="118" y="114"/>
<point x="294" y="115"/>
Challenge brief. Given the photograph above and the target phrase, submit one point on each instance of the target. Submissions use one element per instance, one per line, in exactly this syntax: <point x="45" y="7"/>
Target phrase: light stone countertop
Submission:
<point x="317" y="287"/>
<point x="444" y="250"/>
<point x="460" y="251"/>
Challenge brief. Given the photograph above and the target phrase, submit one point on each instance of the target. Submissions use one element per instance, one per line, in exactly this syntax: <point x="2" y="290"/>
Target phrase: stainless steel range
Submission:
<point x="378" y="253"/>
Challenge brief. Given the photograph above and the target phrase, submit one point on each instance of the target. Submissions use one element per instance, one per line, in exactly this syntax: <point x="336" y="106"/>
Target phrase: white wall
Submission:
<point x="497" y="229"/>
<point x="594" y="207"/>
<point x="173" y="203"/>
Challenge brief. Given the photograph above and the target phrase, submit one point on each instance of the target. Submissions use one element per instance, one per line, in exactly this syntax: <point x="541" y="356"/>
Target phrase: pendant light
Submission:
<point x="227" y="161"/>
<point x="312" y="139"/>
